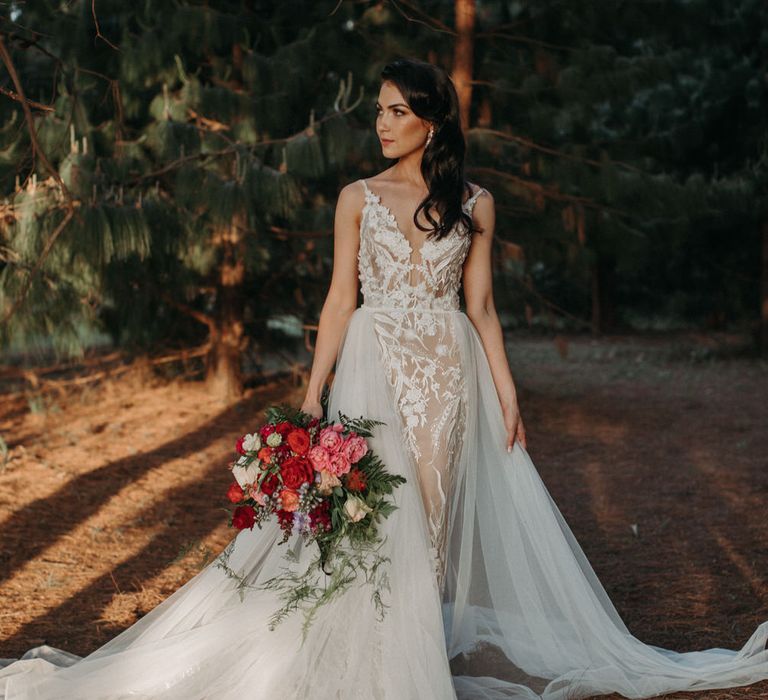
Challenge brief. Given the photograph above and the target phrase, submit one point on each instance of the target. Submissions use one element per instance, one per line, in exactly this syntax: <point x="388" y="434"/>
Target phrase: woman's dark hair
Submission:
<point x="429" y="92"/>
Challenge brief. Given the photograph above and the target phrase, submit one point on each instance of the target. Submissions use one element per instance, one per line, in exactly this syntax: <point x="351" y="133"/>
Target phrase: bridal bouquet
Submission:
<point x="321" y="481"/>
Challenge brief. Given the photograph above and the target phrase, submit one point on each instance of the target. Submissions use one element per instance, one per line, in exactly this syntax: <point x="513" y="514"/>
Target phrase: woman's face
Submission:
<point x="399" y="129"/>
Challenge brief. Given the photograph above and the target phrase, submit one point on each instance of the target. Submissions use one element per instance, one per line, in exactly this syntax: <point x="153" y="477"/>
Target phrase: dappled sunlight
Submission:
<point x="736" y="488"/>
<point x="115" y="532"/>
<point x="605" y="505"/>
<point x="608" y="430"/>
<point x="749" y="573"/>
<point x="130" y="522"/>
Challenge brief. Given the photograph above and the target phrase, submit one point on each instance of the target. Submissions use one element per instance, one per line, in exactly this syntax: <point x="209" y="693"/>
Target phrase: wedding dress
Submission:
<point x="490" y="596"/>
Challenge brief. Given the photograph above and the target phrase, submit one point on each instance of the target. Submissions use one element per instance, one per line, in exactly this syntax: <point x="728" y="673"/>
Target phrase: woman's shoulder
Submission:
<point x="477" y="191"/>
<point x="352" y="193"/>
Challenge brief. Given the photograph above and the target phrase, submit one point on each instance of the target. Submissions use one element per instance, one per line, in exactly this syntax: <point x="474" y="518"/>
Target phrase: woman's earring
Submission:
<point x="429" y="135"/>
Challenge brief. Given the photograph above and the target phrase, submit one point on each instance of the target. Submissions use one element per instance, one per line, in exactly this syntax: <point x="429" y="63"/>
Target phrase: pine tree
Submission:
<point x="624" y="143"/>
<point x="191" y="138"/>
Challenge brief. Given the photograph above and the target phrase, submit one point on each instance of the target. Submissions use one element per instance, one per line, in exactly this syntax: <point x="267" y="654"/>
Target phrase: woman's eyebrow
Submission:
<point x="396" y="104"/>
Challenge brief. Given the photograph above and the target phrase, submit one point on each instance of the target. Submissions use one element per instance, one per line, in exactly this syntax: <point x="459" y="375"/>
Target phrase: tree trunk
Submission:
<point x="463" y="57"/>
<point x="223" y="370"/>
<point x="603" y="295"/>
<point x="764" y="294"/>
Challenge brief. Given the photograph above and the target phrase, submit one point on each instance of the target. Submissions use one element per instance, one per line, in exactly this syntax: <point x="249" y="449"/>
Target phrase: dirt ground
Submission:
<point x="654" y="449"/>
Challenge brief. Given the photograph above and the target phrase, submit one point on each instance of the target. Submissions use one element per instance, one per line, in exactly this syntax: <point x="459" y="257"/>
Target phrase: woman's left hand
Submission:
<point x="514" y="425"/>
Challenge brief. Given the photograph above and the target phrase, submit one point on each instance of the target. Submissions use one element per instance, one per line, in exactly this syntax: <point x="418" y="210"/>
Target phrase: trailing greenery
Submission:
<point x="312" y="588"/>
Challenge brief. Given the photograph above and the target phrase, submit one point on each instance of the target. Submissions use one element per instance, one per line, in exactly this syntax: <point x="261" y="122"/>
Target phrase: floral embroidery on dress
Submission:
<point x="411" y="302"/>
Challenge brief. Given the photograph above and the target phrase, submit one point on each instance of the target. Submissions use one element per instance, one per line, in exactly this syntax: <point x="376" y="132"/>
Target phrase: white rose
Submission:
<point x="356" y="508"/>
<point x="252" y="441"/>
<point x="246" y="475"/>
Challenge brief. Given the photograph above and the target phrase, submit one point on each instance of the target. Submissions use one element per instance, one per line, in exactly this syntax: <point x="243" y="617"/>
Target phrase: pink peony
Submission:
<point x="355" y="448"/>
<point x="338" y="464"/>
<point x="318" y="458"/>
<point x="331" y="439"/>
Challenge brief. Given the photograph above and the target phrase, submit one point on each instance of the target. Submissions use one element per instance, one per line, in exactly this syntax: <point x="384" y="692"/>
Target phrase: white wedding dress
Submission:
<point x="490" y="595"/>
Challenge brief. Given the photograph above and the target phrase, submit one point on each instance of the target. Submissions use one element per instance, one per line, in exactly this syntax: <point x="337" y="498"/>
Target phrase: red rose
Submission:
<point x="298" y="441"/>
<point x="285" y="519"/>
<point x="295" y="472"/>
<point x="235" y="493"/>
<point x="266" y="429"/>
<point x="320" y="517"/>
<point x="284" y="427"/>
<point x="356" y="480"/>
<point x="270" y="483"/>
<point x="239" y="445"/>
<point x="313" y="422"/>
<point x="244" y="517"/>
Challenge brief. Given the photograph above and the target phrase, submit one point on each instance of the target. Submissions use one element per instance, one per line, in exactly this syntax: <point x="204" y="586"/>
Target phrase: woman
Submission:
<point x="489" y="594"/>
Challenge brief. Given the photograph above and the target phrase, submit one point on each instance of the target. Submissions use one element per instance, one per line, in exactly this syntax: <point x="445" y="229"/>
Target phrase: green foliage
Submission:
<point x="206" y="115"/>
<point x="308" y="590"/>
<point x="625" y="137"/>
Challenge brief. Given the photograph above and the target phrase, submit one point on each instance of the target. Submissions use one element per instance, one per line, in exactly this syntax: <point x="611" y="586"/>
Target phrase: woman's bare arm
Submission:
<point x="478" y="295"/>
<point x="341" y="299"/>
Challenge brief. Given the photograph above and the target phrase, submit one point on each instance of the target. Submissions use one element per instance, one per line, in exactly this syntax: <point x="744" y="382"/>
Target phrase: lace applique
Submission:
<point x="411" y="302"/>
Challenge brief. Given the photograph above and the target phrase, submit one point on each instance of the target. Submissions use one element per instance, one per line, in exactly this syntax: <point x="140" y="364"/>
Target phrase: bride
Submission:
<point x="490" y="596"/>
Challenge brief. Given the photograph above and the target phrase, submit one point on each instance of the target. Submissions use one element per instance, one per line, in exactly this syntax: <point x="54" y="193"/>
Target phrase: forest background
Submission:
<point x="169" y="170"/>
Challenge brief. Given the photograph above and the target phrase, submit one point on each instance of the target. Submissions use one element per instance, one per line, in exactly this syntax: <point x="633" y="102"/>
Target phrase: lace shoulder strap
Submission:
<point x="366" y="189"/>
<point x="470" y="203"/>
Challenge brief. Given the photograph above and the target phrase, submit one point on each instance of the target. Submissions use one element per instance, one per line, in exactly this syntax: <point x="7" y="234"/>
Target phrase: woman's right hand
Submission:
<point x="313" y="408"/>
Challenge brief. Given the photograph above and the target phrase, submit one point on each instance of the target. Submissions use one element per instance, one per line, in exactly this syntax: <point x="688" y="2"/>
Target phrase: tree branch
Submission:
<point x="6" y="58"/>
<point x="552" y="151"/>
<point x="429" y="22"/>
<point x="36" y="105"/>
<point x="99" y="35"/>
<point x="46" y="250"/>
<point x="189" y="311"/>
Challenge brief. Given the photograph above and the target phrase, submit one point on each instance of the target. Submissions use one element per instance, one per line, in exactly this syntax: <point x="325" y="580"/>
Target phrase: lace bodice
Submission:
<point x="393" y="273"/>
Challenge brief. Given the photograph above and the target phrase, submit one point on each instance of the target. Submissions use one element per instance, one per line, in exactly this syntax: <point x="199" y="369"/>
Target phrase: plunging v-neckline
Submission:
<point x="396" y="226"/>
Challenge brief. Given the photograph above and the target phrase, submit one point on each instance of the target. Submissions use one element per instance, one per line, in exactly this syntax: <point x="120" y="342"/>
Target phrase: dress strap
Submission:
<point x="470" y="203"/>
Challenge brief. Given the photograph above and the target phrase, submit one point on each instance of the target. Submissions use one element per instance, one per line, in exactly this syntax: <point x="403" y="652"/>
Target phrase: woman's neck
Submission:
<point x="408" y="169"/>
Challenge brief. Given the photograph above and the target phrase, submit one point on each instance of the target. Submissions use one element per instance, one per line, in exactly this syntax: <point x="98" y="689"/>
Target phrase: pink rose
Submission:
<point x="355" y="448"/>
<point x="330" y="439"/>
<point x="338" y="464"/>
<point x="257" y="494"/>
<point x="318" y="458"/>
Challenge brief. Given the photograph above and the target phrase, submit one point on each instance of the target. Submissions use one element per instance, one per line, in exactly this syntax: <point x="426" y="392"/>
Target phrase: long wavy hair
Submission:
<point x="429" y="92"/>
